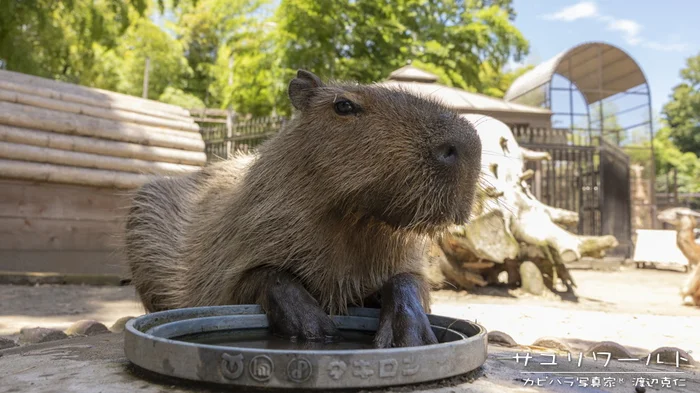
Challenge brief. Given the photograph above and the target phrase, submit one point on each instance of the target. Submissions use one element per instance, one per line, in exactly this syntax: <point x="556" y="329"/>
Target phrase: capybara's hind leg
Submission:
<point x="293" y="313"/>
<point x="402" y="321"/>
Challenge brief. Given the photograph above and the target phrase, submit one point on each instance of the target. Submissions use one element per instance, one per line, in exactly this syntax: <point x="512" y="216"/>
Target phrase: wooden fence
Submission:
<point x="224" y="133"/>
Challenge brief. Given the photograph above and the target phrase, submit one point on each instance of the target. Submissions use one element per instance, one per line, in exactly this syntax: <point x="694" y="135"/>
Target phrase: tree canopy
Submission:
<point x="682" y="112"/>
<point x="62" y="39"/>
<point x="241" y="53"/>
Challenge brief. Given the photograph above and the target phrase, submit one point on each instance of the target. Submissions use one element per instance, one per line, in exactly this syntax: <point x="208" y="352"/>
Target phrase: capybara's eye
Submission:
<point x="344" y="107"/>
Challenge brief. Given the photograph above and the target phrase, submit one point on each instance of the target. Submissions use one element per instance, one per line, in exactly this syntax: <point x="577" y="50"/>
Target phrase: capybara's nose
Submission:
<point x="447" y="153"/>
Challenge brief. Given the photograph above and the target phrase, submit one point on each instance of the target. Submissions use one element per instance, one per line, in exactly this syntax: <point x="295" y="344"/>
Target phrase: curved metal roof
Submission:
<point x="599" y="70"/>
<point x="419" y="81"/>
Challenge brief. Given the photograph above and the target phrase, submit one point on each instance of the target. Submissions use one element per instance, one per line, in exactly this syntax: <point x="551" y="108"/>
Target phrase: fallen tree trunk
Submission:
<point x="691" y="290"/>
<point x="509" y="225"/>
<point x="685" y="222"/>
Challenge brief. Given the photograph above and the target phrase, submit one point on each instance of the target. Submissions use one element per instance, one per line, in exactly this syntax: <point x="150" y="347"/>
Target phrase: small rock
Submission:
<point x="87" y="327"/>
<point x="668" y="355"/>
<point x="531" y="278"/>
<point x="640" y="389"/>
<point x="6" y="342"/>
<point x="552" y="343"/>
<point x="40" y="335"/>
<point x="615" y="350"/>
<point x="119" y="326"/>
<point x="501" y="339"/>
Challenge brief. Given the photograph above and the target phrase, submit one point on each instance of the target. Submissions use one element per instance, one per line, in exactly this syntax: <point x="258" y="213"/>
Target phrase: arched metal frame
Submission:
<point x="598" y="71"/>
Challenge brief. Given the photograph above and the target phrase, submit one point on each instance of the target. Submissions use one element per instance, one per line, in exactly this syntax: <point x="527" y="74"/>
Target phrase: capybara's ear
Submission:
<point x="302" y="88"/>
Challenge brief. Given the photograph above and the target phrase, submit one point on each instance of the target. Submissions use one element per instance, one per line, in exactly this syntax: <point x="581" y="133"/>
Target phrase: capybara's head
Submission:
<point x="383" y="153"/>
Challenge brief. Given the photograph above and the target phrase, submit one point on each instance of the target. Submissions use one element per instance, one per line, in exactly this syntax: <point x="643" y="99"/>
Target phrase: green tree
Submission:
<point x="667" y="158"/>
<point x="495" y="82"/>
<point x="682" y="112"/>
<point x="60" y="39"/>
<point x="178" y="97"/>
<point x="229" y="45"/>
<point x="365" y="40"/>
<point x="168" y="65"/>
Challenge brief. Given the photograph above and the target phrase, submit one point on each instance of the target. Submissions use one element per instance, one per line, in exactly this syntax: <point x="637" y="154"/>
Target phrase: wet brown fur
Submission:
<point x="343" y="203"/>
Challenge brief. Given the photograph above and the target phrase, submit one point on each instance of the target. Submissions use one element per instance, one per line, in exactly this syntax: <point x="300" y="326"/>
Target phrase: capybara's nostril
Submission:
<point x="446" y="154"/>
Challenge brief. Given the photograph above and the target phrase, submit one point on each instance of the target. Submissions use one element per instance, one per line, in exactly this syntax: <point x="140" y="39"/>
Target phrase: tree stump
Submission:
<point x="509" y="225"/>
<point x="685" y="222"/>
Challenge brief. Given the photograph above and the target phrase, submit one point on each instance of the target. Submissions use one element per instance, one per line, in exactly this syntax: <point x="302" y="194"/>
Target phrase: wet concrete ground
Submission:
<point x="97" y="364"/>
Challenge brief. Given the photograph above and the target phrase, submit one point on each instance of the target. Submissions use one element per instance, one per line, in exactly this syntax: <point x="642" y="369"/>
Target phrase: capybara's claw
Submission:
<point x="293" y="313"/>
<point x="403" y="322"/>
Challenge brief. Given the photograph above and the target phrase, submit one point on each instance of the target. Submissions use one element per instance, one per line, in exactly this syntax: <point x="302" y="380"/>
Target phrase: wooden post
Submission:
<point x="229" y="112"/>
<point x="229" y="132"/>
<point x="145" y="77"/>
<point x="675" y="185"/>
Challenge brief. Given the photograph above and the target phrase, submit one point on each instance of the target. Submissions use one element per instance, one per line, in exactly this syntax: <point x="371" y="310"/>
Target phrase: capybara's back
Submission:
<point x="156" y="226"/>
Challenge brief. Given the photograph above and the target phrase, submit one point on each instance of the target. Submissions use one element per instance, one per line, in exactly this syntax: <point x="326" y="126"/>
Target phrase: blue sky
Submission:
<point x="659" y="35"/>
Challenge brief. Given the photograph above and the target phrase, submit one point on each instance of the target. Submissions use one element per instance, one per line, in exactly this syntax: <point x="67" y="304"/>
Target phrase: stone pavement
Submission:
<point x="97" y="363"/>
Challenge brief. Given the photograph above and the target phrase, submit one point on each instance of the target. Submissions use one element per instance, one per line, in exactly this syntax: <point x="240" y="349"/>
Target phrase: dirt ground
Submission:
<point x="635" y="307"/>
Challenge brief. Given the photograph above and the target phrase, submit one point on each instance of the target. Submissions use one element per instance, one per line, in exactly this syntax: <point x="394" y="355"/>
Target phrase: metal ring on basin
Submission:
<point x="151" y="342"/>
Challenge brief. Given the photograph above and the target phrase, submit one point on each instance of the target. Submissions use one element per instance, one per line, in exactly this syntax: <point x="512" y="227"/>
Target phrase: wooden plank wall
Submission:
<point x="48" y="227"/>
<point x="69" y="155"/>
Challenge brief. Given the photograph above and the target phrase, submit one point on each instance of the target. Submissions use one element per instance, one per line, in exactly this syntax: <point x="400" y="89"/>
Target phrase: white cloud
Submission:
<point x="582" y="10"/>
<point x="630" y="29"/>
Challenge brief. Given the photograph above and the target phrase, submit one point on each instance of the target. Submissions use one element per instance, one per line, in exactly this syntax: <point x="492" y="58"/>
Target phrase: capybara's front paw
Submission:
<point x="293" y="313"/>
<point x="403" y="322"/>
<point x="405" y="327"/>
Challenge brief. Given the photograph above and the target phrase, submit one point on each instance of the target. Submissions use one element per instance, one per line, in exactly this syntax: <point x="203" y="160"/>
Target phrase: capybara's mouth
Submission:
<point x="427" y="223"/>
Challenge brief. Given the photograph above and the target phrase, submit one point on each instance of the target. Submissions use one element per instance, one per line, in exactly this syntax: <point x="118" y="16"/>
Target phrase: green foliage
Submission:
<point x="364" y="40"/>
<point x="682" y="112"/>
<point x="178" y="97"/>
<point x="242" y="53"/>
<point x="58" y="39"/>
<point x="667" y="158"/>
<point x="494" y="82"/>
<point x="168" y="65"/>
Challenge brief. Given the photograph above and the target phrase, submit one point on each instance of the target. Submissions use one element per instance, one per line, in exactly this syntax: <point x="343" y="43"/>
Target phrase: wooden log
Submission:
<point x="531" y="155"/>
<point x="116" y="100"/>
<point x="39" y="103"/>
<point x="104" y="147"/>
<point x="12" y="92"/>
<point x="685" y="239"/>
<point x="14" y="151"/>
<point x="442" y="272"/>
<point x="26" y="199"/>
<point x="478" y="265"/>
<point x="70" y="175"/>
<point x="62" y="234"/>
<point x="67" y="264"/>
<point x="50" y="120"/>
<point x="691" y="289"/>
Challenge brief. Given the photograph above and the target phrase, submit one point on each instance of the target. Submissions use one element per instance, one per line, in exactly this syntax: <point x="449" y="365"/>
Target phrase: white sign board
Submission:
<point x="658" y="246"/>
